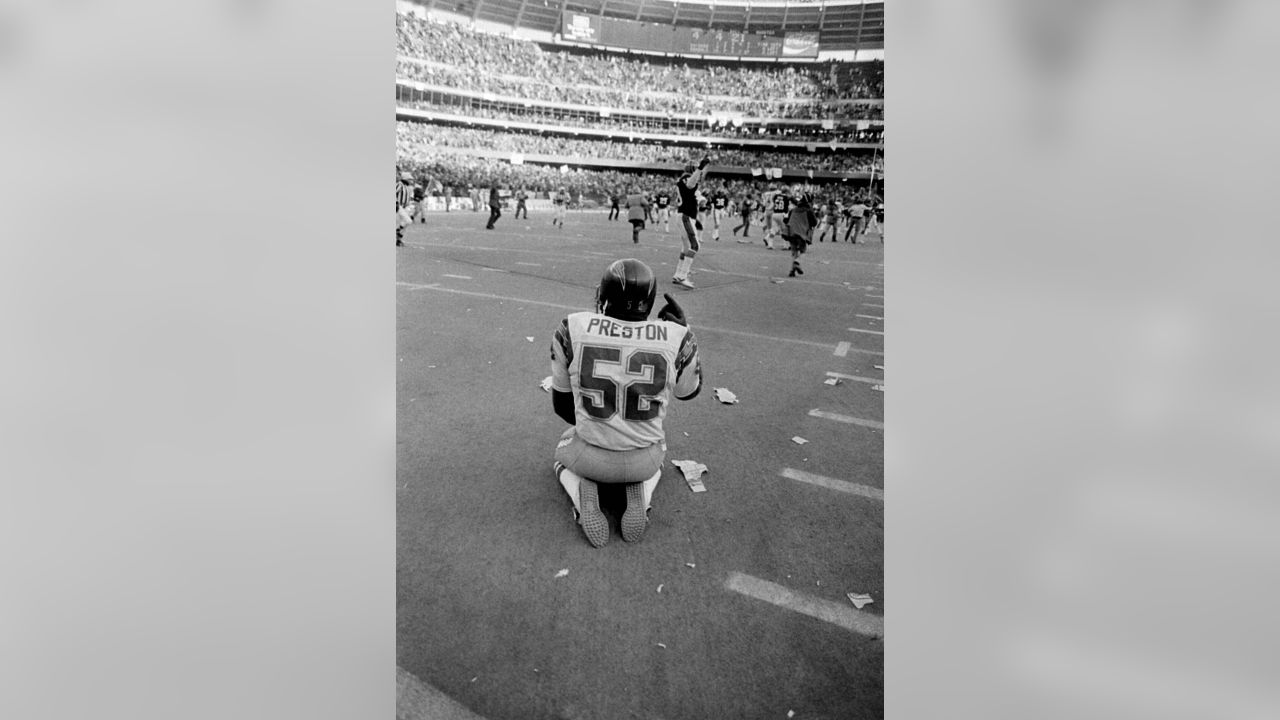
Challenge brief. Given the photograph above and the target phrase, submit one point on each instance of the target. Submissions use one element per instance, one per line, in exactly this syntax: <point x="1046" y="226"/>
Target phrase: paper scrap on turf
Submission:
<point x="776" y="281"/>
<point x="859" y="599"/>
<point x="562" y="573"/>
<point x="798" y="440"/>
<point x="878" y="367"/>
<point x="692" y="471"/>
<point x="664" y="647"/>
<point x="546" y="384"/>
<point x="690" y="565"/>
<point x="831" y="381"/>
<point x="878" y="388"/>
<point x="529" y="339"/>
<point x="660" y="587"/>
<point x="726" y="397"/>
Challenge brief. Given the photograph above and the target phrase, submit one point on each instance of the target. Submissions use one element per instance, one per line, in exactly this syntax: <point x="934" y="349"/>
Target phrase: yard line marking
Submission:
<point x="873" y="305"/>
<point x="460" y="277"/>
<point x="700" y="328"/>
<point x="855" y="378"/>
<point x="869" y="332"/>
<point x="530" y="264"/>
<point x="875" y="296"/>
<point x="843" y="486"/>
<point x="846" y="419"/>
<point x="826" y="610"/>
<point x="842" y="349"/>
<point x="488" y="269"/>
<point x="871" y="317"/>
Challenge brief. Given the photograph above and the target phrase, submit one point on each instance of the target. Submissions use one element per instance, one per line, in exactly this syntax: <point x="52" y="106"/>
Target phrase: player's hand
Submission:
<point x="705" y="162"/>
<point x="697" y="224"/>
<point x="672" y="311"/>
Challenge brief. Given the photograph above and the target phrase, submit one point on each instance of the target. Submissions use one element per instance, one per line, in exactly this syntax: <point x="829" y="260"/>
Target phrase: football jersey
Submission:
<point x="663" y="200"/>
<point x="622" y="375"/>
<point x="781" y="203"/>
<point x="721" y="202"/>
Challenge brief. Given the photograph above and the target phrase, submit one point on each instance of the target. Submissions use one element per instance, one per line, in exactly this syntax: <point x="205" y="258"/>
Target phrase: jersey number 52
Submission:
<point x="640" y="402"/>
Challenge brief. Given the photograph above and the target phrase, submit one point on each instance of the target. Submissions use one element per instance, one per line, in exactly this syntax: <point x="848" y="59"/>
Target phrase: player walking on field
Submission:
<point x="663" y="202"/>
<point x="687" y="186"/>
<point x="637" y="211"/>
<point x="613" y="373"/>
<point x="560" y="201"/>
<point x="776" y="208"/>
<point x="719" y="211"/>
<point x="826" y="221"/>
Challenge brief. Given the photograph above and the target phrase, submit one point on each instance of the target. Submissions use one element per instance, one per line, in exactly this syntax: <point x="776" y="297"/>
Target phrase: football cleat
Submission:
<point x="636" y="518"/>
<point x="594" y="524"/>
<point x="683" y="282"/>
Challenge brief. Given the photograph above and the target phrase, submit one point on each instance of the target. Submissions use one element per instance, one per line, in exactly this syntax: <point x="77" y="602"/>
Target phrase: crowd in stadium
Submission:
<point x="844" y="132"/>
<point x="471" y="177"/>
<point x="414" y="138"/>
<point x="461" y="57"/>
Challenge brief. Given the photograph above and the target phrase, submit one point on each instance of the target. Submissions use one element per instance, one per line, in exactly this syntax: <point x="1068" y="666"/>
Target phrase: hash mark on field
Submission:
<point x="870" y="317"/>
<point x="530" y="264"/>
<point x="459" y="277"/>
<point x="846" y="419"/>
<point x="842" y="349"/>
<point x="873" y="305"/>
<point x="855" y="378"/>
<point x="833" y="484"/>
<point x="875" y="296"/>
<point x="834" y="613"/>
<point x="869" y="332"/>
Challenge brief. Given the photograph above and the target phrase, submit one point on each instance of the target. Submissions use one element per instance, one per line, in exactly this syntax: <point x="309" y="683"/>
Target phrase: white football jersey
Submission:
<point x="622" y="375"/>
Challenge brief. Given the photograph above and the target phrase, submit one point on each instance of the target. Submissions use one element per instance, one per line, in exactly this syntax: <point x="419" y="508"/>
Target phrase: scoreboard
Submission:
<point x="683" y="40"/>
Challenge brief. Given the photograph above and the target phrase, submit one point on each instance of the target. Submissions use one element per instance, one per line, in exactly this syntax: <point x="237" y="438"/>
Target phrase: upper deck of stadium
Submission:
<point x="827" y="26"/>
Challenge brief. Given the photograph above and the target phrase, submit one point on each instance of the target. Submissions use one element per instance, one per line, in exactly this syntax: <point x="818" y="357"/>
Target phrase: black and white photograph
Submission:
<point x="640" y="264"/>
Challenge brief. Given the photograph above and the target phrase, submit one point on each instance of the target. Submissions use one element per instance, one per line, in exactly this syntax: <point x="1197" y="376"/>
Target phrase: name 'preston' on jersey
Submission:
<point x="622" y="375"/>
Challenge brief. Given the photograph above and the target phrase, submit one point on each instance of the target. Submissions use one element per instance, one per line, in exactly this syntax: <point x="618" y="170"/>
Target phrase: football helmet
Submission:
<point x="626" y="290"/>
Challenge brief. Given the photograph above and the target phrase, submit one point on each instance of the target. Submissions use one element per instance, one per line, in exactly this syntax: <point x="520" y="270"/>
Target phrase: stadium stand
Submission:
<point x="477" y="105"/>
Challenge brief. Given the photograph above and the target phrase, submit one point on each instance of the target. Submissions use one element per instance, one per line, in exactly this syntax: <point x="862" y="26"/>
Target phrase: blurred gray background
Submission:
<point x="197" y="372"/>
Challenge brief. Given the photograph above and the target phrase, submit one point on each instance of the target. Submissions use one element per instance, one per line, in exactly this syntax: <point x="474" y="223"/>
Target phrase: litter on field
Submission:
<point x="692" y="471"/>
<point x="776" y="281"/>
<point x="529" y="339"/>
<point x="859" y="599"/>
<point x="664" y="647"/>
<point x="832" y="381"/>
<point x="562" y="573"/>
<point x="690" y="565"/>
<point x="798" y="440"/>
<point x="878" y="388"/>
<point x="725" y="396"/>
<point x="545" y="384"/>
<point x="660" y="588"/>
<point x="878" y="367"/>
